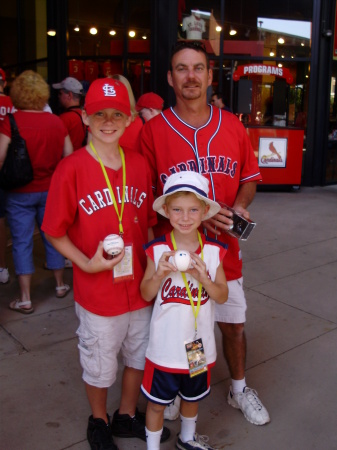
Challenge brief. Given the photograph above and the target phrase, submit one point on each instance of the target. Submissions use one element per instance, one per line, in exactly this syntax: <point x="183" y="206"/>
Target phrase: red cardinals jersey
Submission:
<point x="79" y="204"/>
<point x="130" y="140"/>
<point x="220" y="150"/>
<point x="72" y="119"/>
<point x="6" y="106"/>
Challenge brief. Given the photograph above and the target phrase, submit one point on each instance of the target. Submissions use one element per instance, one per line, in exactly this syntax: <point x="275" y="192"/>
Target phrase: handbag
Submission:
<point x="17" y="170"/>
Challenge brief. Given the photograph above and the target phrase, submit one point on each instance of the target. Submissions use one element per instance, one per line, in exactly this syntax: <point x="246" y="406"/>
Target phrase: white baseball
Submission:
<point x="182" y="260"/>
<point x="113" y="244"/>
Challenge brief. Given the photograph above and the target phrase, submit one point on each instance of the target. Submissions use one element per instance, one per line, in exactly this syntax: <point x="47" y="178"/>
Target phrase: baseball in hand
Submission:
<point x="113" y="244"/>
<point x="182" y="260"/>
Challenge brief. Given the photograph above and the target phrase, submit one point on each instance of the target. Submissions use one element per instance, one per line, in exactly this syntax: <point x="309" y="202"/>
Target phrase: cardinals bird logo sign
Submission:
<point x="273" y="152"/>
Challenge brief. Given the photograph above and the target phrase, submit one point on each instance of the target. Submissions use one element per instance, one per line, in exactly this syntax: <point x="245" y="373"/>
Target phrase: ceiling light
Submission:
<point x="112" y="32"/>
<point x="280" y="65"/>
<point x="280" y="40"/>
<point x="271" y="53"/>
<point x="218" y="29"/>
<point x="93" y="30"/>
<point x="51" y="32"/>
<point x="76" y="28"/>
<point x="144" y="36"/>
<point x="132" y="33"/>
<point x="232" y="32"/>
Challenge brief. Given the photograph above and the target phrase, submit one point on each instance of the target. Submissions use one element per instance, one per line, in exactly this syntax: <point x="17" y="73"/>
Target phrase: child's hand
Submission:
<point x="164" y="266"/>
<point x="199" y="271"/>
<point x="98" y="263"/>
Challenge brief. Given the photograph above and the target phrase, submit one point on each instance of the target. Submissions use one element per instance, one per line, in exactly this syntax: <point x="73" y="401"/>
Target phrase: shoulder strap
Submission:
<point x="12" y="122"/>
<point x="14" y="127"/>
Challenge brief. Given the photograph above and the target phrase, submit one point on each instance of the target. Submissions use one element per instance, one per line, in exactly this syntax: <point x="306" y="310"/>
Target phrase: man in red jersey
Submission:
<point x="196" y="136"/>
<point x="70" y="92"/>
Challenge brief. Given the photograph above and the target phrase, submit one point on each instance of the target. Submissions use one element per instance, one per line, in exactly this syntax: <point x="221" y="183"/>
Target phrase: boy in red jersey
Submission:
<point x="98" y="192"/>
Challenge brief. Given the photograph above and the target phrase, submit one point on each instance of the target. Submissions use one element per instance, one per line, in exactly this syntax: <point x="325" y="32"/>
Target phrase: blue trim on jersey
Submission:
<point x="154" y="241"/>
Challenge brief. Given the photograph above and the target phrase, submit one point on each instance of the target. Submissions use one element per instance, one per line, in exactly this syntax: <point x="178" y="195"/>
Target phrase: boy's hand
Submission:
<point x="98" y="263"/>
<point x="164" y="266"/>
<point x="199" y="271"/>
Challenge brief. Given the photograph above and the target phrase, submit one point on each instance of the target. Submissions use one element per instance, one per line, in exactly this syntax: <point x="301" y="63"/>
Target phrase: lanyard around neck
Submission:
<point x="113" y="198"/>
<point x="194" y="309"/>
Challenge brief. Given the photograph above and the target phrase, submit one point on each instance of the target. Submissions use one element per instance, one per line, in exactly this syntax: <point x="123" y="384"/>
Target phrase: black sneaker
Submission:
<point x="99" y="435"/>
<point x="125" y="426"/>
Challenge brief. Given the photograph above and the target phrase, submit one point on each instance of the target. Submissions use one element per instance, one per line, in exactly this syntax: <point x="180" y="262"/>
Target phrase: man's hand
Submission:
<point x="222" y="221"/>
<point x="219" y="223"/>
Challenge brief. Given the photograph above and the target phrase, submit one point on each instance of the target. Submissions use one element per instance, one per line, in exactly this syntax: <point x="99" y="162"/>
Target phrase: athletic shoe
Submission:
<point x="172" y="411"/>
<point x="198" y="442"/>
<point x="4" y="276"/>
<point x="125" y="426"/>
<point x="99" y="435"/>
<point x="250" y="404"/>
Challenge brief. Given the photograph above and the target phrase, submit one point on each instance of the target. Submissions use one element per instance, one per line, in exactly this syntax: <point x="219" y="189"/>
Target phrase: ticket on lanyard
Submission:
<point x="196" y="357"/>
<point x="123" y="271"/>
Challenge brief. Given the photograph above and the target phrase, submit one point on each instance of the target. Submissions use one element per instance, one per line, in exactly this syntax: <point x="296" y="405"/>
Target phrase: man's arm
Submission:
<point x="244" y="198"/>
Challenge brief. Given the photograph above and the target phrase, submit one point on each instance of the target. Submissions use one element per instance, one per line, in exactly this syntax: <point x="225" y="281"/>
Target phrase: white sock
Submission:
<point x="188" y="426"/>
<point x="238" y="385"/>
<point x="153" y="439"/>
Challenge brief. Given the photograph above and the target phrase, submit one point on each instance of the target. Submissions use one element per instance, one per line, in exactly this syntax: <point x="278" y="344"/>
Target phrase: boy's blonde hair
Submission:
<point x="132" y="99"/>
<point x="182" y="194"/>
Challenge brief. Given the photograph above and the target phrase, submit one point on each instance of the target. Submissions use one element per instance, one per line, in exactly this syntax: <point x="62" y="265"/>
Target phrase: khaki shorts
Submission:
<point x="234" y="310"/>
<point x="100" y="339"/>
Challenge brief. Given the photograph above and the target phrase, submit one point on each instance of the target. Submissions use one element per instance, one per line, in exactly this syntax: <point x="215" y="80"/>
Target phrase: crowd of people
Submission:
<point x="160" y="179"/>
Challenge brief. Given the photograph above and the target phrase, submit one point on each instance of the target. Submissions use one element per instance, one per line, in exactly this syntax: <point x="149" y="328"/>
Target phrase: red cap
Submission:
<point x="150" y="100"/>
<point x="2" y="75"/>
<point x="107" y="93"/>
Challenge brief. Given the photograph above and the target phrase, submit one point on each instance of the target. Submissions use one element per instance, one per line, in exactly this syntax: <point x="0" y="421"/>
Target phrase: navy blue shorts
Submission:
<point x="163" y="387"/>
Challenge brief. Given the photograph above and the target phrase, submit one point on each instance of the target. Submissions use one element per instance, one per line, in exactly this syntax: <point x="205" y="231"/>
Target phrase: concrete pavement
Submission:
<point x="290" y="275"/>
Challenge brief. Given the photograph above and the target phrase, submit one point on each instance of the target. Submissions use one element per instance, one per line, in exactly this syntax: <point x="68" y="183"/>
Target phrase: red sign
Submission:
<point x="262" y="69"/>
<point x="279" y="152"/>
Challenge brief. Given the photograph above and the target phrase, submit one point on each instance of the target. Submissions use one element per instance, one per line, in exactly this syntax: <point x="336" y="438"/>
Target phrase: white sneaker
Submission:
<point x="172" y="411"/>
<point x="250" y="405"/>
<point x="198" y="442"/>
<point x="4" y="276"/>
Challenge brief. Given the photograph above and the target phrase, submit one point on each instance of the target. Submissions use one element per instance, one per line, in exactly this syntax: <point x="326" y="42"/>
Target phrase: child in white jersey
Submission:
<point x="182" y="347"/>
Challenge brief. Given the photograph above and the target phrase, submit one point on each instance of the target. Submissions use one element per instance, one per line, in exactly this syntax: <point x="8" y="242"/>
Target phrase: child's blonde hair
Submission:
<point x="182" y="194"/>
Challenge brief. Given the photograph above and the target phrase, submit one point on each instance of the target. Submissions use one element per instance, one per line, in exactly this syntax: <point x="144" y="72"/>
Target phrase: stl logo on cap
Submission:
<point x="109" y="90"/>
